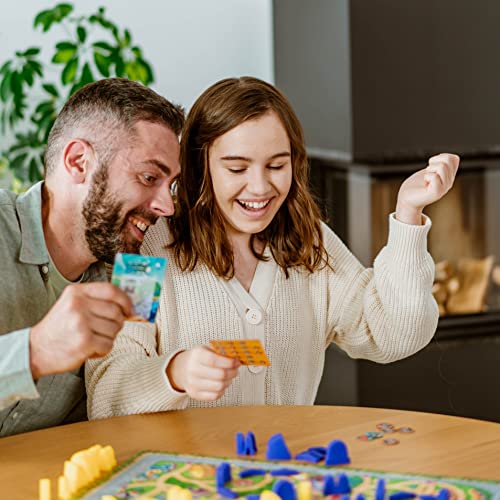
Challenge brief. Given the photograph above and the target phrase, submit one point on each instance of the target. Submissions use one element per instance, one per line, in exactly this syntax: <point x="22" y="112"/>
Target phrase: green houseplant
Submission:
<point x="92" y="46"/>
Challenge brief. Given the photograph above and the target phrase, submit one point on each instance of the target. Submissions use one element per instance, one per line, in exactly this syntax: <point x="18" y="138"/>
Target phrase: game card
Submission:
<point x="141" y="278"/>
<point x="249" y="352"/>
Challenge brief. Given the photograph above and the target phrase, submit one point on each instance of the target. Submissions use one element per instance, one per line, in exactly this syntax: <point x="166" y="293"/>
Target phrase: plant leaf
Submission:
<point x="44" y="18"/>
<point x="87" y="76"/>
<point x="18" y="161"/>
<point x="64" y="55"/>
<point x="103" y="45"/>
<point x="102" y="63"/>
<point x="69" y="72"/>
<point x="82" y="34"/>
<point x="65" y="45"/>
<point x="51" y="89"/>
<point x="63" y="10"/>
<point x="5" y="67"/>
<point x="127" y="38"/>
<point x="27" y="73"/>
<point x="5" y="87"/>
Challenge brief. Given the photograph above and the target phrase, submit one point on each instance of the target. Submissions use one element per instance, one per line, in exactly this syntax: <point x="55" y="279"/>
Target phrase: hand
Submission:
<point x="425" y="187"/>
<point x="202" y="373"/>
<point x="82" y="324"/>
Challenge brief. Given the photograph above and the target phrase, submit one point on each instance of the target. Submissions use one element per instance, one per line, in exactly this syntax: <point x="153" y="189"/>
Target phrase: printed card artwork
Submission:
<point x="141" y="278"/>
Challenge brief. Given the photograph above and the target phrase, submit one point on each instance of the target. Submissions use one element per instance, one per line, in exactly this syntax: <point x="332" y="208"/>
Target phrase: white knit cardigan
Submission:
<point x="382" y="314"/>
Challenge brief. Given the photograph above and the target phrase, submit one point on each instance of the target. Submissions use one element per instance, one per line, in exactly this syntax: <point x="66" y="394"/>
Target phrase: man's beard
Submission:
<point x="105" y="226"/>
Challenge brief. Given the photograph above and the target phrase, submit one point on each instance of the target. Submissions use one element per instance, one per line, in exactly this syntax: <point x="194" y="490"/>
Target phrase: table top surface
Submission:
<point x="440" y="445"/>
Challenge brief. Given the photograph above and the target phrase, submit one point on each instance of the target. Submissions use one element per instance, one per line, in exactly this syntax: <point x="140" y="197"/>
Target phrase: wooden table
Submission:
<point x="441" y="445"/>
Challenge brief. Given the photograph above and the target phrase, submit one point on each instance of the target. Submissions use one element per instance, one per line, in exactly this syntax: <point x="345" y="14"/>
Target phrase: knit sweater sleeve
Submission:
<point x="387" y="312"/>
<point x="131" y="378"/>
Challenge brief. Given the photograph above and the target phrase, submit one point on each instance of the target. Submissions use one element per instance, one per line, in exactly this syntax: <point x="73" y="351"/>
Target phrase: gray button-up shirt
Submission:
<point x="25" y="298"/>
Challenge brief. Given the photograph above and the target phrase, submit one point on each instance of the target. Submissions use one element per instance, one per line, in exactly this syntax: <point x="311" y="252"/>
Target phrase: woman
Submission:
<point x="250" y="258"/>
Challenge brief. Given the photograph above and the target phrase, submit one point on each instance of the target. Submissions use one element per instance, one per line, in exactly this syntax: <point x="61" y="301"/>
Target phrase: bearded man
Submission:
<point x="111" y="159"/>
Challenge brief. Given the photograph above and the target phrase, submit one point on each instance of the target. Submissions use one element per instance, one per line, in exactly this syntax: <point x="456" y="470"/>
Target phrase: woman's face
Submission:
<point x="251" y="173"/>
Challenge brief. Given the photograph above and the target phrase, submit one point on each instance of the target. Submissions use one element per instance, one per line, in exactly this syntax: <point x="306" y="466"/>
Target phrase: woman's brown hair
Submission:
<point x="198" y="227"/>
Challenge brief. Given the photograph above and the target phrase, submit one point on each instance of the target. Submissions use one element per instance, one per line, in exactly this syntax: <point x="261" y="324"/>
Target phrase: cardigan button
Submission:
<point x="253" y="316"/>
<point x="255" y="368"/>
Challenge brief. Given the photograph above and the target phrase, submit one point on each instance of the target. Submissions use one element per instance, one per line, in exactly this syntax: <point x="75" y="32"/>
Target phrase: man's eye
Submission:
<point x="173" y="188"/>
<point x="149" y="179"/>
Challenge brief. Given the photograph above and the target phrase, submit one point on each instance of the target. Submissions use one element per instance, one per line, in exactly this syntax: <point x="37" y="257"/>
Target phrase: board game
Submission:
<point x="151" y="474"/>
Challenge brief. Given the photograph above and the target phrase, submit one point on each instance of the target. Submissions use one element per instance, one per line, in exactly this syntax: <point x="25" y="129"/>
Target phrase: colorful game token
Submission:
<point x="406" y="430"/>
<point x="249" y="352"/>
<point x="390" y="442"/>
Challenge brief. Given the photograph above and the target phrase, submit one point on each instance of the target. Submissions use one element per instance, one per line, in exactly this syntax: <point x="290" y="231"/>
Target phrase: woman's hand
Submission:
<point x="202" y="373"/>
<point x="425" y="187"/>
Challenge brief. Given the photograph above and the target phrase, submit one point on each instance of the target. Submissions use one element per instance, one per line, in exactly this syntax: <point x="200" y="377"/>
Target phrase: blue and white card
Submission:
<point x="141" y="278"/>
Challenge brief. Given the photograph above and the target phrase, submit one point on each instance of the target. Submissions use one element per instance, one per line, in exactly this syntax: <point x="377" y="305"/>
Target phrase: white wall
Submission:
<point x="190" y="43"/>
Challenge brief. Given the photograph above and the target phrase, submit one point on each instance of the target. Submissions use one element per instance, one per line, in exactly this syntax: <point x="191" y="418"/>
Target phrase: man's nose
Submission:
<point x="163" y="204"/>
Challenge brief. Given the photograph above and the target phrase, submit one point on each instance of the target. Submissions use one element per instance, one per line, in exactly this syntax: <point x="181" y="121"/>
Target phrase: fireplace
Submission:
<point x="379" y="87"/>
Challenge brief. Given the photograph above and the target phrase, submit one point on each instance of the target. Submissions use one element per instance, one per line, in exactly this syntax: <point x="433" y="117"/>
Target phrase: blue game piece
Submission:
<point x="342" y="484"/>
<point x="308" y="457"/>
<point x="316" y="453"/>
<point x="226" y="492"/>
<point x="329" y="487"/>
<point x="285" y="490"/>
<point x="222" y="474"/>
<point x="427" y="497"/>
<point x="250" y="444"/>
<point x="252" y="472"/>
<point x="284" y="472"/>
<point x="277" y="448"/>
<point x="240" y="444"/>
<point x="444" y="494"/>
<point x="360" y="497"/>
<point x="318" y="449"/>
<point x="345" y="497"/>
<point x="253" y="497"/>
<point x="402" y="495"/>
<point x="336" y="453"/>
<point x="380" y="490"/>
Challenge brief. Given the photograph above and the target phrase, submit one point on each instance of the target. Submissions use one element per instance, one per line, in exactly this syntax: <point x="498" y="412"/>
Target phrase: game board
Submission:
<point x="152" y="473"/>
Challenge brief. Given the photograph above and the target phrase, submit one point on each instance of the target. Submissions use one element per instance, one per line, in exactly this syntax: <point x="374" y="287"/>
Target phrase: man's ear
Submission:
<point x="78" y="159"/>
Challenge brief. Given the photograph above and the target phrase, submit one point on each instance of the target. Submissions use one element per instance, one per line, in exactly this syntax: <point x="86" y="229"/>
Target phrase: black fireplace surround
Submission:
<point x="379" y="86"/>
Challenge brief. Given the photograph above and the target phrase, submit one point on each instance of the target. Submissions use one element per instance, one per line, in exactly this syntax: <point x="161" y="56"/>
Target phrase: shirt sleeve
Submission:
<point x="132" y="377"/>
<point x="387" y="312"/>
<point x="16" y="381"/>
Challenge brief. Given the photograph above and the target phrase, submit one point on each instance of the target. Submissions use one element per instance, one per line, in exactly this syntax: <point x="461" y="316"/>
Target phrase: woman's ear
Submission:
<point x="78" y="159"/>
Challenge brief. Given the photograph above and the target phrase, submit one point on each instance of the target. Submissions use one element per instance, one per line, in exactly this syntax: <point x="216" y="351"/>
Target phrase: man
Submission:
<point x="111" y="159"/>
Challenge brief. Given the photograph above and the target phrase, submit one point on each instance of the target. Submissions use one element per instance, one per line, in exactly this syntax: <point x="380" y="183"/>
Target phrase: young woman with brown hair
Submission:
<point x="250" y="258"/>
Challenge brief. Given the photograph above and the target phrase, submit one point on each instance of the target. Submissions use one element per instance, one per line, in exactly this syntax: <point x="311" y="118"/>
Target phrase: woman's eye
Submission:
<point x="275" y="167"/>
<point x="237" y="170"/>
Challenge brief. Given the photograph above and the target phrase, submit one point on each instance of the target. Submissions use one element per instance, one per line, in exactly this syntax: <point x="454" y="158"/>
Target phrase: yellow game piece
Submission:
<point x="108" y="497"/>
<point x="107" y="458"/>
<point x="94" y="458"/>
<point x="178" y="493"/>
<point x="81" y="458"/>
<point x="76" y="477"/>
<point x="44" y="489"/>
<point x="304" y="490"/>
<point x="63" y="492"/>
<point x="269" y="495"/>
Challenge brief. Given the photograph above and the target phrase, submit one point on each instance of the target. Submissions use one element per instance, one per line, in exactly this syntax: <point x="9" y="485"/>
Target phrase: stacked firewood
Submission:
<point x="461" y="288"/>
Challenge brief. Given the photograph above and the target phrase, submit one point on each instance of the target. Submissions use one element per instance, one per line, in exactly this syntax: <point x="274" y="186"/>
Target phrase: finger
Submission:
<point x="211" y="374"/>
<point x="104" y="327"/>
<point x="445" y="172"/>
<point x="100" y="346"/>
<point x="449" y="158"/>
<point x="105" y="309"/>
<point x="434" y="185"/>
<point x="207" y="396"/>
<point x="209" y="357"/>
<point x="110" y="293"/>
